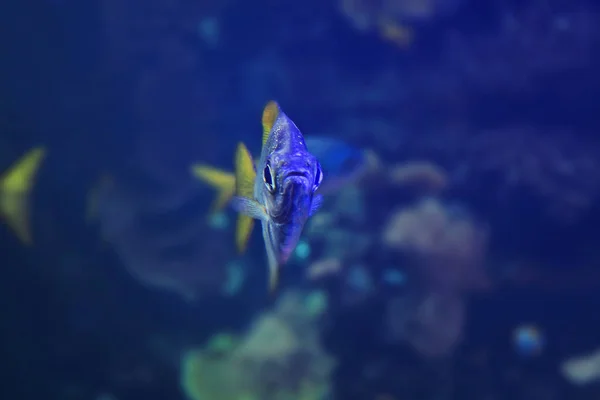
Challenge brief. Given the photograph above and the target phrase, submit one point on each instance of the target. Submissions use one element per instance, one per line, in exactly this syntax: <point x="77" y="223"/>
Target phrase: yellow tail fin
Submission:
<point x="222" y="181"/>
<point x="15" y="189"/>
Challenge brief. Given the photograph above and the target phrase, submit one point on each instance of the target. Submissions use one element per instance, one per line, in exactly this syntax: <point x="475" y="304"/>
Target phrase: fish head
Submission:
<point x="289" y="183"/>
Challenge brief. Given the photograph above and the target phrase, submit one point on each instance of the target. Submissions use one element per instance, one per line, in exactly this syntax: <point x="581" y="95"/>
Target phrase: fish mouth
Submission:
<point x="295" y="190"/>
<point x="296" y="174"/>
<point x="295" y="185"/>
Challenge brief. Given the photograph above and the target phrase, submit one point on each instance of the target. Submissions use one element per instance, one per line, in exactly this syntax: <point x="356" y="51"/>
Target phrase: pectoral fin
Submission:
<point x="317" y="202"/>
<point x="15" y="190"/>
<point x="249" y="207"/>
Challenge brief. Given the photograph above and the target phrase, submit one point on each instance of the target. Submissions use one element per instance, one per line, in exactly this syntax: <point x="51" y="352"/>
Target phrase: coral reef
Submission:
<point x="446" y="260"/>
<point x="280" y="357"/>
<point x="446" y="249"/>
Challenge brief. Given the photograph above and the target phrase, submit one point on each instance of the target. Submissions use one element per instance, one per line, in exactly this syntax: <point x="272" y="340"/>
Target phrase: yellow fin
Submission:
<point x="244" y="187"/>
<point x="93" y="198"/>
<point x="269" y="116"/>
<point x="15" y="189"/>
<point x="243" y="230"/>
<point x="244" y="172"/>
<point x="222" y="181"/>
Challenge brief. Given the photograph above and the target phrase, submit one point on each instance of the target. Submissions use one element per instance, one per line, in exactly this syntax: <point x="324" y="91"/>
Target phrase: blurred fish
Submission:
<point x="152" y="216"/>
<point x="153" y="219"/>
<point x="528" y="340"/>
<point x="396" y="20"/>
<point x="15" y="189"/>
<point x="399" y="34"/>
<point x="279" y="191"/>
<point x="341" y="163"/>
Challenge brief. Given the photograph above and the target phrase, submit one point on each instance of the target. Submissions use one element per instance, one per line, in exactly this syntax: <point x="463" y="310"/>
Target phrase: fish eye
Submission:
<point x="268" y="178"/>
<point x="318" y="178"/>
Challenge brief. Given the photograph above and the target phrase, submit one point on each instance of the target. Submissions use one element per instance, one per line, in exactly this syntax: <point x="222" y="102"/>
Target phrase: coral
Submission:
<point x="422" y="177"/>
<point x="447" y="250"/>
<point x="323" y="268"/>
<point x="430" y="322"/>
<point x="209" y="378"/>
<point x="280" y="357"/>
<point x="269" y="339"/>
<point x="582" y="370"/>
<point x="446" y="253"/>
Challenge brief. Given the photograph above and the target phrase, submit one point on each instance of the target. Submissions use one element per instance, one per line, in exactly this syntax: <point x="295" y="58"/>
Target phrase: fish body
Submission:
<point x="342" y="164"/>
<point x="279" y="190"/>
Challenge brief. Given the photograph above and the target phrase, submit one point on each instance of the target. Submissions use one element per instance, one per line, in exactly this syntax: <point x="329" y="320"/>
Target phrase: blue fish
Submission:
<point x="341" y="163"/>
<point x="279" y="190"/>
<point x="529" y="340"/>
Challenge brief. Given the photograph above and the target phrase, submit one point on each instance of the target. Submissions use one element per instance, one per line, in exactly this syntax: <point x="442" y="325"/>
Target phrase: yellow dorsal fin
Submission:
<point x="222" y="181"/>
<point x="15" y="189"/>
<point x="269" y="116"/>
<point x="245" y="174"/>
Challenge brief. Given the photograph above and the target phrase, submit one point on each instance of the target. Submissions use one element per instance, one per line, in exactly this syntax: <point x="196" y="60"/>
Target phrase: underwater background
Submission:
<point x="455" y="256"/>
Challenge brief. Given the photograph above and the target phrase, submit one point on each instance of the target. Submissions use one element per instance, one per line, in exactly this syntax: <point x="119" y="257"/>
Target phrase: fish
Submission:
<point x="343" y="164"/>
<point x="151" y="215"/>
<point x="16" y="185"/>
<point x="279" y="190"/>
<point x="528" y="340"/>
